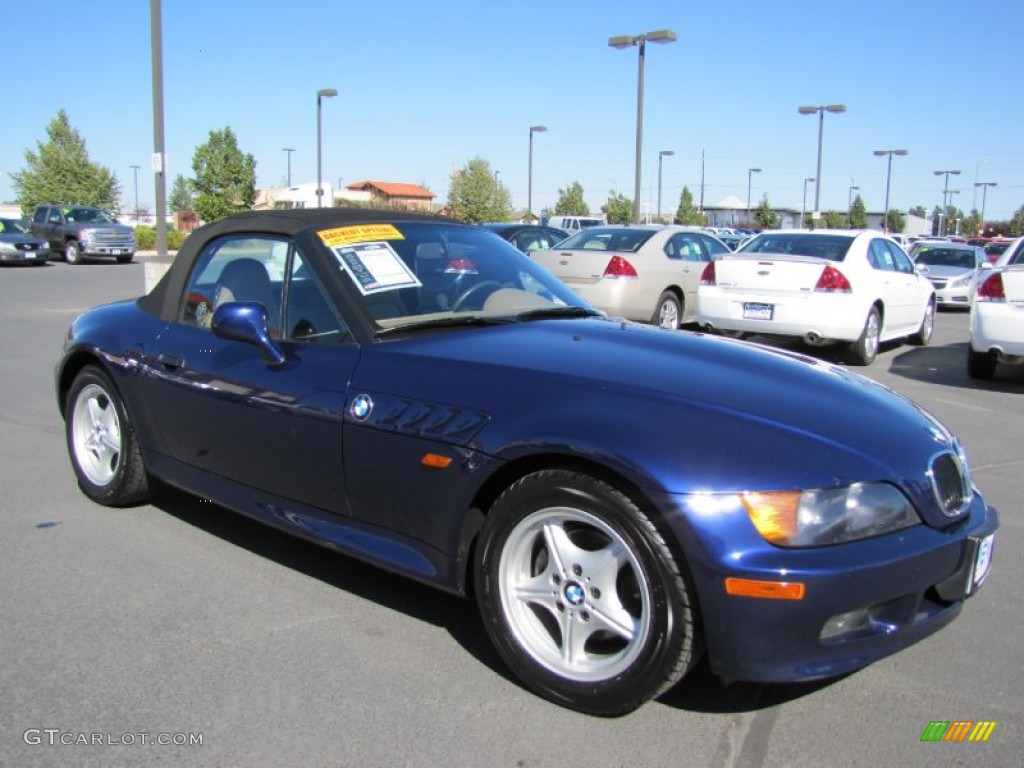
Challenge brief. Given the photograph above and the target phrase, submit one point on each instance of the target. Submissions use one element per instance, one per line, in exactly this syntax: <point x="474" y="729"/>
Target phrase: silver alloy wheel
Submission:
<point x="872" y="329"/>
<point x="96" y="435"/>
<point x="927" y="324"/>
<point x="574" y="594"/>
<point x="669" y="315"/>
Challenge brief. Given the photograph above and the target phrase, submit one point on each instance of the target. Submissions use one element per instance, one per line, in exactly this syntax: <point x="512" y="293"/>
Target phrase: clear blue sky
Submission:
<point x="426" y="86"/>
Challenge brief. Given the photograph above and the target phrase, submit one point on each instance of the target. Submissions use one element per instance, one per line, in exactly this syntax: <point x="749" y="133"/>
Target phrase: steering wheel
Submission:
<point x="457" y="304"/>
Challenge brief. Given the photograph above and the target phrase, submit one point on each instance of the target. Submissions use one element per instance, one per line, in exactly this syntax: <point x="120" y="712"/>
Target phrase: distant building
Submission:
<point x="390" y="194"/>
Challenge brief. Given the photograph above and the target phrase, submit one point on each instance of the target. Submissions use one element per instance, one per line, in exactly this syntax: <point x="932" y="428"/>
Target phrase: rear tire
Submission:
<point x="864" y="350"/>
<point x="980" y="365"/>
<point x="668" y="313"/>
<point x="924" y="334"/>
<point x="101" y="441"/>
<point x="581" y="596"/>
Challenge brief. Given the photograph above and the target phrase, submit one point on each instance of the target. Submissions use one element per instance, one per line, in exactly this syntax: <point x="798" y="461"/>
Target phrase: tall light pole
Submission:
<point x="984" y="193"/>
<point x="803" y="208"/>
<point x="628" y="41"/>
<point x="945" y="195"/>
<point x="661" y="155"/>
<point x="849" y="202"/>
<point x="888" y="179"/>
<point x="750" y="173"/>
<point x="529" y="173"/>
<point x="837" y="108"/>
<point x="289" y="150"/>
<point x="135" y="171"/>
<point x="323" y="93"/>
<point x="159" y="159"/>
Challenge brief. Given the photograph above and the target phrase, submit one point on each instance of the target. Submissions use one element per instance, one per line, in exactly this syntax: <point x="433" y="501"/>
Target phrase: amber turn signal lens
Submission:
<point x="436" y="461"/>
<point x="770" y="590"/>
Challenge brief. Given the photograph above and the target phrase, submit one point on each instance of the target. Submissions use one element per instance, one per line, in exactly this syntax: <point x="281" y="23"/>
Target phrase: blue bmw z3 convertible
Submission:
<point x="618" y="499"/>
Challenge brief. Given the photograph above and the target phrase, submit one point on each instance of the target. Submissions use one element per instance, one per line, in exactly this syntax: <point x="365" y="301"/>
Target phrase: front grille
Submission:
<point x="951" y="485"/>
<point x="114" y="238"/>
<point x="26" y="246"/>
<point x="940" y="284"/>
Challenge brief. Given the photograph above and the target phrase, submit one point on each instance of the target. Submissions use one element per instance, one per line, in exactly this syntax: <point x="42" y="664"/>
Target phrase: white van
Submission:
<point x="573" y="224"/>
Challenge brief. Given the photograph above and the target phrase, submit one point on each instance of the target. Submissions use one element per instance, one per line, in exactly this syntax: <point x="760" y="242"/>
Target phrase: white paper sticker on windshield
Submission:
<point x="375" y="267"/>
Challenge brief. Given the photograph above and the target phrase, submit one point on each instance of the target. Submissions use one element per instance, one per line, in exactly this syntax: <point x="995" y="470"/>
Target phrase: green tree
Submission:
<point x="972" y="224"/>
<point x="896" y="222"/>
<point x="832" y="220"/>
<point x="571" y="202"/>
<point x="920" y="211"/>
<point x="765" y="217"/>
<point x="61" y="172"/>
<point x="1016" y="225"/>
<point x="225" y="178"/>
<point x="476" y="196"/>
<point x="687" y="212"/>
<point x="181" y="194"/>
<point x="858" y="214"/>
<point x="618" y="209"/>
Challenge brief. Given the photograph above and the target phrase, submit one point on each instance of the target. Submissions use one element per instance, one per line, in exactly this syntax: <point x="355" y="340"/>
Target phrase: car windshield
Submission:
<point x="11" y="226"/>
<point x="828" y="247"/>
<point x="428" y="275"/>
<point x="87" y="214"/>
<point x="945" y="257"/>
<point x="607" y="239"/>
<point x="996" y="249"/>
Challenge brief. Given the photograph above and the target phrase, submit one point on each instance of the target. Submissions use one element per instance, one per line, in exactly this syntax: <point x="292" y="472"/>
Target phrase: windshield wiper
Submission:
<point x="465" y="321"/>
<point x="548" y="312"/>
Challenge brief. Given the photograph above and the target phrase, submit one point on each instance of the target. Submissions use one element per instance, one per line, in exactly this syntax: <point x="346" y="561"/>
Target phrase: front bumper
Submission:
<point x="107" y="249"/>
<point x="863" y="600"/>
<point x="24" y="257"/>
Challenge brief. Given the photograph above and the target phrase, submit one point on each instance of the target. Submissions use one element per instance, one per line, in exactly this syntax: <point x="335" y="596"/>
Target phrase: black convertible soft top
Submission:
<point x="164" y="298"/>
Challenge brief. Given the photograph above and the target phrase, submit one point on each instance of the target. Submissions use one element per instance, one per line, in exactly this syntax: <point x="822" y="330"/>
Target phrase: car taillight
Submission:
<point x="460" y="267"/>
<point x="832" y="281"/>
<point x="619" y="267"/>
<point x="991" y="289"/>
<point x="707" y="277"/>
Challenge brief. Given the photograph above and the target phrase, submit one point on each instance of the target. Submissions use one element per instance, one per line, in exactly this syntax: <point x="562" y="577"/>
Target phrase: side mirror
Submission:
<point x="246" y="321"/>
<point x="922" y="268"/>
<point x="986" y="265"/>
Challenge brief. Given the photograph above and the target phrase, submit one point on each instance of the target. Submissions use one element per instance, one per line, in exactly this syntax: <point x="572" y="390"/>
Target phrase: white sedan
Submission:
<point x="824" y="286"/>
<point x="997" y="318"/>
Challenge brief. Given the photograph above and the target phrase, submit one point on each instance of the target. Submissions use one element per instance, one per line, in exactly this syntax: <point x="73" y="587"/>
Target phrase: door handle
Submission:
<point x="171" y="360"/>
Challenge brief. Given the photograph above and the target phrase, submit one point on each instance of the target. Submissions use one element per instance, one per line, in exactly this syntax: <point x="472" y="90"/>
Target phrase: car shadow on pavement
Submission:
<point x="703" y="691"/>
<point x="455" y="615"/>
<point x="947" y="366"/>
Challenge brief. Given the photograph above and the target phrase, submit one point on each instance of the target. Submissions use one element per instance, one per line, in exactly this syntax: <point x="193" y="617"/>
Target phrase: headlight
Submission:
<point x="829" y="515"/>
<point x="87" y="234"/>
<point x="961" y="282"/>
<point x="7" y="248"/>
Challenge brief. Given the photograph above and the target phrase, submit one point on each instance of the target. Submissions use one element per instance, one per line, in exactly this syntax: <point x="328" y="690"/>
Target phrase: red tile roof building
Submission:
<point x="391" y="194"/>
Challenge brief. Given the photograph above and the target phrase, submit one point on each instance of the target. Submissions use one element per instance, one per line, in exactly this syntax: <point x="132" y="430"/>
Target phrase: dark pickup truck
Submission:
<point x="79" y="231"/>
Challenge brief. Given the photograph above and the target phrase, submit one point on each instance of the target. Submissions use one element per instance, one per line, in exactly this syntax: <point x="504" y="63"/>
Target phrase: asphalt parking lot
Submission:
<point x="184" y="621"/>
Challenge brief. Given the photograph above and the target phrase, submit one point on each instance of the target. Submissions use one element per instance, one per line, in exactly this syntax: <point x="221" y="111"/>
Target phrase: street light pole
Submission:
<point x="836" y="108"/>
<point x="321" y="94"/>
<point x="750" y="172"/>
<point x="803" y="208"/>
<point x="945" y="195"/>
<point x="888" y="179"/>
<point x="661" y="155"/>
<point x="529" y="173"/>
<point x="135" y="171"/>
<point x="984" y="193"/>
<point x="628" y="41"/>
<point x="289" y="150"/>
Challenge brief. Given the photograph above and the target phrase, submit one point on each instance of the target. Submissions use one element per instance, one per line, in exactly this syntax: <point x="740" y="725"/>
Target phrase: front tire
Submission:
<point x="865" y="349"/>
<point x="668" y="313"/>
<point x="72" y="252"/>
<point x="581" y="596"/>
<point x="102" y="444"/>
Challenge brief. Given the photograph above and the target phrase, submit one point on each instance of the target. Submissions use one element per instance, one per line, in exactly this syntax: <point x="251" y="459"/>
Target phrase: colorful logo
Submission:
<point x="958" y="730"/>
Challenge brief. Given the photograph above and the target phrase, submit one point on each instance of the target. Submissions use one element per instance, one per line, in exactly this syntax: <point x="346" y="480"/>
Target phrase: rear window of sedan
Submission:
<point x="604" y="239"/>
<point x="945" y="257"/>
<point x="827" y="247"/>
